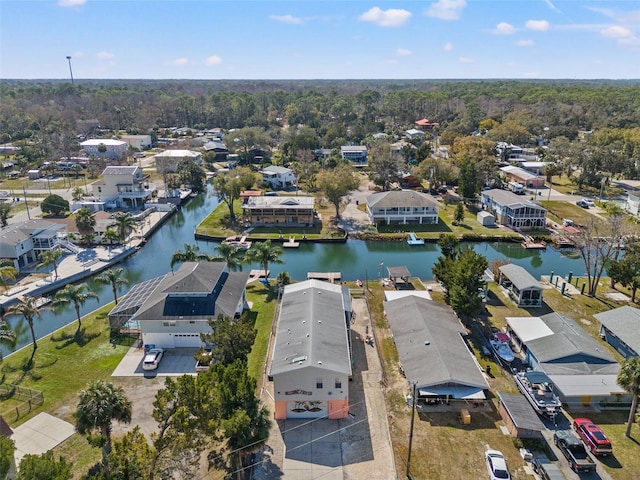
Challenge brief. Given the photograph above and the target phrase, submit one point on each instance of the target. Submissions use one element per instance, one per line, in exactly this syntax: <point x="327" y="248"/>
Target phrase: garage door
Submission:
<point x="188" y="340"/>
<point x="307" y="409"/>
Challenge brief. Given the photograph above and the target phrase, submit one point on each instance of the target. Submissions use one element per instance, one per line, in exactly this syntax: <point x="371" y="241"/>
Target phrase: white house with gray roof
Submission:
<point x="433" y="352"/>
<point x="278" y="177"/>
<point x="123" y="186"/>
<point x="105" y="148"/>
<point x="523" y="288"/>
<point x="620" y="328"/>
<point x="513" y="211"/>
<point x="311" y="363"/>
<point x="582" y="370"/>
<point x="21" y="243"/>
<point x="402" y="207"/>
<point x="173" y="310"/>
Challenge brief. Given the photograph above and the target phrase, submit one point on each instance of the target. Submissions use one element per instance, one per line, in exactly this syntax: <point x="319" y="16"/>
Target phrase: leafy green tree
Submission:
<point x="458" y="215"/>
<point x="629" y="379"/>
<point x="114" y="277"/>
<point x="27" y="308"/>
<point x="110" y="236"/>
<point x="244" y="139"/>
<point x="50" y="258"/>
<point x="191" y="253"/>
<point x="283" y="279"/>
<point x="305" y="168"/>
<point x="99" y="405"/>
<point x="229" y="185"/>
<point x="385" y="167"/>
<point x="7" y="449"/>
<point x="76" y="295"/>
<point x="337" y="183"/>
<point x="232" y="338"/>
<point x="264" y="253"/>
<point x="468" y="183"/>
<point x="124" y="224"/>
<point x="44" y="467"/>
<point x="466" y="282"/>
<point x="54" y="205"/>
<point x="627" y="270"/>
<point x="5" y="209"/>
<point x="131" y="456"/>
<point x="191" y="174"/>
<point x="231" y="254"/>
<point x="85" y="222"/>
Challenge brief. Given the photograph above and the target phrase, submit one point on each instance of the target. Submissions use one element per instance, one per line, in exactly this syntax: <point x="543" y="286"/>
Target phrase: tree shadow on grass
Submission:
<point x="79" y="337"/>
<point x="28" y="368"/>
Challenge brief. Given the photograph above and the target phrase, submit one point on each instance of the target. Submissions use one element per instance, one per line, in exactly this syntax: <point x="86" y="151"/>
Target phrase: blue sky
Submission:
<point x="305" y="39"/>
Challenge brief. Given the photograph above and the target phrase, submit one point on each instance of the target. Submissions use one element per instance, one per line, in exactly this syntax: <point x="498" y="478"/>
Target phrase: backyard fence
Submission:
<point x="24" y="400"/>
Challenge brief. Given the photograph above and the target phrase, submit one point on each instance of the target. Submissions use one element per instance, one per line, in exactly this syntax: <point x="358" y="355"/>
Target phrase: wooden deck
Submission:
<point x="331" y="277"/>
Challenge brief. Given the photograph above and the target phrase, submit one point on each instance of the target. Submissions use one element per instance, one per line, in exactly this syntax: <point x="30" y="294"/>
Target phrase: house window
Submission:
<point x="318" y="383"/>
<point x="170" y="323"/>
<point x="338" y="383"/>
<point x="99" y="189"/>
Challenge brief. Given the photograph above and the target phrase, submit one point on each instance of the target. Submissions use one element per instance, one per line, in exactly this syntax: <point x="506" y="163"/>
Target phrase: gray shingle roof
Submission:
<point x="520" y="277"/>
<point x="401" y="198"/>
<point x="504" y="197"/>
<point x="521" y="411"/>
<point x="119" y="170"/>
<point x="623" y="322"/>
<point x="312" y="329"/>
<point x="445" y="359"/>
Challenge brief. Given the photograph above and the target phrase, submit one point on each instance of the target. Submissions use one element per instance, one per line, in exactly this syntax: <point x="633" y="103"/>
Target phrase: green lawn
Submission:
<point x="558" y="210"/>
<point x="263" y="302"/>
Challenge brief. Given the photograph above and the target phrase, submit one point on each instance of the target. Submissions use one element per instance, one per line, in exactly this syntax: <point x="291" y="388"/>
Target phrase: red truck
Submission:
<point x="592" y="436"/>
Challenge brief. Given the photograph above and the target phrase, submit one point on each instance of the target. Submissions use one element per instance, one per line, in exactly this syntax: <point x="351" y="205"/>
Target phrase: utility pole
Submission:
<point x="70" y="71"/>
<point x="26" y="202"/>
<point x="413" y="414"/>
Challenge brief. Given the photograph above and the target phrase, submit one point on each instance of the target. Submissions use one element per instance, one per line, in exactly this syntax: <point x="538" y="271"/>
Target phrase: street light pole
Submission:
<point x="70" y="71"/>
<point x="413" y="414"/>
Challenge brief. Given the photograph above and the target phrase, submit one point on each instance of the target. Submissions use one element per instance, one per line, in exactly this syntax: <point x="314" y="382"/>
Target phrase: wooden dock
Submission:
<point x="257" y="274"/>
<point x="531" y="244"/>
<point x="291" y="243"/>
<point x="331" y="277"/>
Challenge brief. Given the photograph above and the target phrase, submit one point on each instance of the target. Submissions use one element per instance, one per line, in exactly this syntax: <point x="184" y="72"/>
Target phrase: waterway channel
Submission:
<point x="355" y="259"/>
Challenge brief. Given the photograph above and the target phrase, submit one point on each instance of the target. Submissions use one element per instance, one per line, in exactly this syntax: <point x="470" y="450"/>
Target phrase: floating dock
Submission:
<point x="331" y="277"/>
<point x="291" y="243"/>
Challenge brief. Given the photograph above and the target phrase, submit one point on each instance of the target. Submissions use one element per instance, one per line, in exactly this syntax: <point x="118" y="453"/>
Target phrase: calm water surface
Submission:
<point x="355" y="259"/>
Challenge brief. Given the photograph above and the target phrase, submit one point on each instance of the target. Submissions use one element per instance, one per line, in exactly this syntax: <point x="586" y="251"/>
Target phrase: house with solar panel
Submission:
<point x="312" y="358"/>
<point x="171" y="311"/>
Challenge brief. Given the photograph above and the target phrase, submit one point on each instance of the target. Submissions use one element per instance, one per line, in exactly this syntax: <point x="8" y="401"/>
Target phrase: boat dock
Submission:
<point x="257" y="274"/>
<point x="291" y="243"/>
<point x="331" y="277"/>
<point x="531" y="244"/>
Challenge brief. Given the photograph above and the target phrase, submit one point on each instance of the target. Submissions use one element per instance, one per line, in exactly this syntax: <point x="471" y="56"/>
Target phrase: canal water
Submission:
<point x="354" y="259"/>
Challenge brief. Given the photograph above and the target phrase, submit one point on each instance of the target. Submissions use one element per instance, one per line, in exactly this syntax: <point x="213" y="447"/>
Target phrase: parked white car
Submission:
<point x="496" y="465"/>
<point x="152" y="359"/>
<point x="589" y="202"/>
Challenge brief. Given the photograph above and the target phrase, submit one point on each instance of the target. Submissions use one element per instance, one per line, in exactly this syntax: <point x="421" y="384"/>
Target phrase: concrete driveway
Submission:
<point x="40" y="434"/>
<point x="175" y="362"/>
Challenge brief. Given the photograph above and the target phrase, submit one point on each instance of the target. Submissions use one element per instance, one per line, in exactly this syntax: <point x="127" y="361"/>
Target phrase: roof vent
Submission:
<point x="319" y="362"/>
<point x="299" y="359"/>
<point x="319" y="321"/>
<point x="427" y="342"/>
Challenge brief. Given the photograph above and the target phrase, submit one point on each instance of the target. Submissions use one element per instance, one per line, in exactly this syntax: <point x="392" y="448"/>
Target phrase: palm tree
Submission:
<point x="230" y="254"/>
<point x="264" y="253"/>
<point x="49" y="258"/>
<point x="629" y="379"/>
<point x="125" y="223"/>
<point x="85" y="222"/>
<point x="100" y="404"/>
<point x="7" y="272"/>
<point x="8" y="337"/>
<point x="189" y="254"/>
<point x="76" y="294"/>
<point x="115" y="278"/>
<point x="28" y="308"/>
<point x="111" y="236"/>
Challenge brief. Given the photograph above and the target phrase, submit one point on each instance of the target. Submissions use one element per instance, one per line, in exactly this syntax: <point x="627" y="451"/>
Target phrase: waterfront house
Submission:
<point x="174" y="309"/>
<point x="311" y="362"/>
<point x="123" y="186"/>
<point x="402" y="207"/>
<point x="433" y="352"/>
<point x="105" y="148"/>
<point x="22" y="243"/>
<point x="279" y="211"/>
<point x="167" y="161"/>
<point x="279" y="178"/>
<point x="525" y="290"/>
<point x="620" y="328"/>
<point x="513" y="211"/>
<point x="356" y="154"/>
<point x="583" y="372"/>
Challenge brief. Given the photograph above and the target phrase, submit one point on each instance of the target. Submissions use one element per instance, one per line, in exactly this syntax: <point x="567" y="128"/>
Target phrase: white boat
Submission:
<point x="412" y="239"/>
<point x="538" y="390"/>
<point x="500" y="346"/>
<point x="241" y="243"/>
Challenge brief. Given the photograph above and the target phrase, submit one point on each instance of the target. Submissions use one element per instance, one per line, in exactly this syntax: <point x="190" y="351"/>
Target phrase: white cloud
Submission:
<point x="290" y="19"/>
<point x="71" y="3"/>
<point x="447" y="47"/>
<point x="105" y="55"/>
<point x="178" y="62"/>
<point x="552" y="6"/>
<point x="465" y="60"/>
<point x="622" y="34"/>
<point x="504" y="28"/>
<point x="403" y="52"/>
<point x="446" y="9"/>
<point x="537" y="25"/>
<point x="524" y="43"/>
<point x="213" y="60"/>
<point x="386" y="18"/>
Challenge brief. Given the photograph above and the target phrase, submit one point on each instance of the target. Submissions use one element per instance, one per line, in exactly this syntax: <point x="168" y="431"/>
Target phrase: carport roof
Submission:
<point x="521" y="412"/>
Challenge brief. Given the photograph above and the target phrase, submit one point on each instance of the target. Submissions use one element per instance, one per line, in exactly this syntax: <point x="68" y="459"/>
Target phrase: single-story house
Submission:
<point x="519" y="416"/>
<point x="512" y="210"/>
<point x="402" y="207"/>
<point x="105" y="147"/>
<point x="523" y="288"/>
<point x="620" y="328"/>
<point x="414" y="134"/>
<point x="356" y="154"/>
<point x="276" y="210"/>
<point x="433" y="351"/>
<point x="174" y="309"/>
<point x="536" y="168"/>
<point x="167" y="161"/>
<point x="311" y="362"/>
<point x="278" y="177"/>
<point x="525" y="177"/>
<point x="582" y="370"/>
